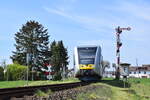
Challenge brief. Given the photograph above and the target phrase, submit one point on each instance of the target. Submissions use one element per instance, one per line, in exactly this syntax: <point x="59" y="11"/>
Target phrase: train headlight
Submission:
<point x="90" y="65"/>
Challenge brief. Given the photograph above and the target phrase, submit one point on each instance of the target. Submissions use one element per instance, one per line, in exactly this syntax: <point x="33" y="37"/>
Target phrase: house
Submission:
<point x="140" y="71"/>
<point x="134" y="71"/>
<point x="109" y="74"/>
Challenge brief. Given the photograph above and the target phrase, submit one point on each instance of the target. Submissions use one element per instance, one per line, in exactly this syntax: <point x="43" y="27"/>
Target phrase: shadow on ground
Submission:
<point x="117" y="83"/>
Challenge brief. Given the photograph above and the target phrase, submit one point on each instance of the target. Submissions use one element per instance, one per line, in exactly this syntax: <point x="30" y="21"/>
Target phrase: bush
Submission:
<point x="1" y="74"/>
<point x="57" y="76"/>
<point x="15" y="72"/>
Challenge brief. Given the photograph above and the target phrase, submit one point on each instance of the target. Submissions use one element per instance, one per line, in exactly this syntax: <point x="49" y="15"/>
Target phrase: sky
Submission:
<point x="82" y="22"/>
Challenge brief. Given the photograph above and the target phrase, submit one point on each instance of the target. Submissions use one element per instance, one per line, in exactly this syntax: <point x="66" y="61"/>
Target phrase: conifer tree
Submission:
<point x="59" y="59"/>
<point x="32" y="39"/>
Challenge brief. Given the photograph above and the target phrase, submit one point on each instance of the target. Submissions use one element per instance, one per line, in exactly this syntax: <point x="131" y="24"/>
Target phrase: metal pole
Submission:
<point x="137" y="68"/>
<point x="49" y="75"/>
<point x="32" y="73"/>
<point x="27" y="73"/>
<point x="27" y="60"/>
<point x="118" y="45"/>
<point x="7" y="73"/>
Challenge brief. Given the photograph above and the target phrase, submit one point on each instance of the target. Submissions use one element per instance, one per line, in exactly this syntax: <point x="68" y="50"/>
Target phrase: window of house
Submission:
<point x="134" y="72"/>
<point x="139" y="71"/>
<point x="130" y="72"/>
<point x="144" y="72"/>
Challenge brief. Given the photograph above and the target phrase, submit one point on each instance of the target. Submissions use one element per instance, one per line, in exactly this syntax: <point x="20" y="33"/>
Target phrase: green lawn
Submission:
<point x="136" y="89"/>
<point x="9" y="84"/>
<point x="140" y="88"/>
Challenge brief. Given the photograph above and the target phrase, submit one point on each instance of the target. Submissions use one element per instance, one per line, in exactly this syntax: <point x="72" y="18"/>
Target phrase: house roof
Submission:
<point x="140" y="68"/>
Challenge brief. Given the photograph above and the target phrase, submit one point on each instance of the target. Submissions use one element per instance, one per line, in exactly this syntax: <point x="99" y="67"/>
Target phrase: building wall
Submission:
<point x="140" y="74"/>
<point x="135" y="74"/>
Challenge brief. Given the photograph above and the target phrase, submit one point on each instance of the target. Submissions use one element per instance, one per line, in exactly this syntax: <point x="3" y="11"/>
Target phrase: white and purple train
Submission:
<point x="88" y="63"/>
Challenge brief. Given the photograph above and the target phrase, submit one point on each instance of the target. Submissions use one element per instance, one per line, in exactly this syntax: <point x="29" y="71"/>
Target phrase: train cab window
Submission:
<point x="87" y="55"/>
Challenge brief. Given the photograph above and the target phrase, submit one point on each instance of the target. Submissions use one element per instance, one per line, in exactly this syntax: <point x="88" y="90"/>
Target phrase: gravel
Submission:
<point x="69" y="94"/>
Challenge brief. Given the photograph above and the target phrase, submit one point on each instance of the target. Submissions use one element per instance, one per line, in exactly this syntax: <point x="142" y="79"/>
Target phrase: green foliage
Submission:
<point x="40" y="93"/>
<point x="57" y="76"/>
<point x="32" y="39"/>
<point x="15" y="72"/>
<point x="1" y="73"/>
<point x="49" y="92"/>
<point x="59" y="59"/>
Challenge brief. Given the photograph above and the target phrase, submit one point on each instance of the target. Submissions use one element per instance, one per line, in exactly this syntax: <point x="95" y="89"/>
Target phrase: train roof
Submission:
<point x="85" y="46"/>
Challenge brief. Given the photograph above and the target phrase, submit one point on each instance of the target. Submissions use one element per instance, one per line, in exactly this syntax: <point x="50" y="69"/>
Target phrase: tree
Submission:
<point x="4" y="64"/>
<point x="1" y="73"/>
<point x="32" y="39"/>
<point x="105" y="64"/>
<point x="59" y="59"/>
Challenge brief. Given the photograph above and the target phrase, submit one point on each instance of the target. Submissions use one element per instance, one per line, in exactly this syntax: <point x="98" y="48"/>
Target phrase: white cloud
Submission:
<point x="4" y="38"/>
<point x="138" y="10"/>
<point x="60" y="12"/>
<point x="70" y="1"/>
<point x="131" y="13"/>
<point x="102" y="42"/>
<point x="90" y="23"/>
<point x="125" y="14"/>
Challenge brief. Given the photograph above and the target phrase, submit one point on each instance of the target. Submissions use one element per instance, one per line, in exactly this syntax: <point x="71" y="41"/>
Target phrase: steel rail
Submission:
<point x="7" y="93"/>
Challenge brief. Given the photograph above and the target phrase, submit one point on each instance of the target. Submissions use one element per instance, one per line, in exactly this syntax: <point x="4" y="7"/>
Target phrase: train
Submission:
<point x="88" y="63"/>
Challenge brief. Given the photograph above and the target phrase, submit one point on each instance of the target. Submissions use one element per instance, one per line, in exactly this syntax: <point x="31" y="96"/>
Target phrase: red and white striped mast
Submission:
<point x="118" y="45"/>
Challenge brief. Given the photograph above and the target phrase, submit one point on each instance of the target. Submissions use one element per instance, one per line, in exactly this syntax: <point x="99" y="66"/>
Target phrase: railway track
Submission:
<point x="7" y="93"/>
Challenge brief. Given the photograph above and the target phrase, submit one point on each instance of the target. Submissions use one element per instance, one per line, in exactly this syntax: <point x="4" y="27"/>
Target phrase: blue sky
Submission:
<point x="82" y="22"/>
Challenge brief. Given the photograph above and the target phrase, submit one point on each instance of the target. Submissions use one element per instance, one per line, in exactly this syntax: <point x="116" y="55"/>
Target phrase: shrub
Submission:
<point x="15" y="72"/>
<point x="57" y="76"/>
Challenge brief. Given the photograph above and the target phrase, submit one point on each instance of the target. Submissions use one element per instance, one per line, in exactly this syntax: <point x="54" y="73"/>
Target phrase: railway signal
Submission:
<point x="118" y="45"/>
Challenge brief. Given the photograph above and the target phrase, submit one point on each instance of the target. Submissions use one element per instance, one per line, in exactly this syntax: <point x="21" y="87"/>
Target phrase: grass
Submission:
<point x="49" y="92"/>
<point x="141" y="88"/>
<point x="136" y="89"/>
<point x="9" y="84"/>
<point x="40" y="93"/>
<point x="69" y="80"/>
<point x="103" y="92"/>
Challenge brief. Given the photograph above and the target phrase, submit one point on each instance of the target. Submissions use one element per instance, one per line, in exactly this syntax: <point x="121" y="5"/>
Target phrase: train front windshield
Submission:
<point x="87" y="55"/>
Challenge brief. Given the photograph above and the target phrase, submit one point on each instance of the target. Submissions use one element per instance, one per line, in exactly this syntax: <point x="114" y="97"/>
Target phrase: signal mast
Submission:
<point x="118" y="45"/>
